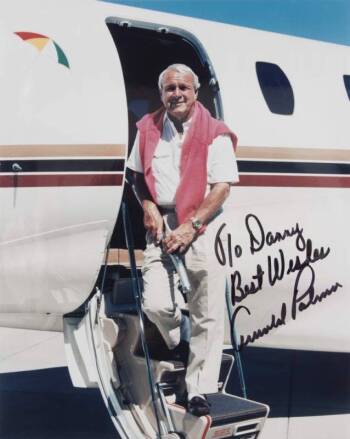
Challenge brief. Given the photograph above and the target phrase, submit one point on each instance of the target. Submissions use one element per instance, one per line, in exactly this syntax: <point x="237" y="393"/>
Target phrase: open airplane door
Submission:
<point x="110" y="343"/>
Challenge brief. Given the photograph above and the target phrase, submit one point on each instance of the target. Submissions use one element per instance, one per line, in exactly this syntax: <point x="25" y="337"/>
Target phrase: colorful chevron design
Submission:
<point x="41" y="41"/>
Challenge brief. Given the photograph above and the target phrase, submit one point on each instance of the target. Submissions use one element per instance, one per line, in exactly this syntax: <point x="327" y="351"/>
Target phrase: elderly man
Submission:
<point x="184" y="163"/>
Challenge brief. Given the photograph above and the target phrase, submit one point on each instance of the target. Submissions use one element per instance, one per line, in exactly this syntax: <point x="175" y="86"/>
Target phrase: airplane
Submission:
<point x="75" y="78"/>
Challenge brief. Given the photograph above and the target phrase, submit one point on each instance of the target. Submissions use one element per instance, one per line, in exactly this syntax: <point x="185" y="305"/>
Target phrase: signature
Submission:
<point x="276" y="267"/>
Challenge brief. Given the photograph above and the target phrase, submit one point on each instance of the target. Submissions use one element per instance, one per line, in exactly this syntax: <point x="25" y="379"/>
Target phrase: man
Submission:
<point x="184" y="163"/>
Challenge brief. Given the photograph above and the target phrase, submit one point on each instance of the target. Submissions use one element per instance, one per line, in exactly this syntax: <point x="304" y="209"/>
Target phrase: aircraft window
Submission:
<point x="275" y="87"/>
<point x="347" y="84"/>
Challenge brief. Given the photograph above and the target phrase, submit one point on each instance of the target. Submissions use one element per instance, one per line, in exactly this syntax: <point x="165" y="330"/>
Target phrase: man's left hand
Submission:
<point x="180" y="238"/>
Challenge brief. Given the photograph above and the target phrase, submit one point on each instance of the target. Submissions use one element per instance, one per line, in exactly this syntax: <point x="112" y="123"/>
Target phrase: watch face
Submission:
<point x="197" y="224"/>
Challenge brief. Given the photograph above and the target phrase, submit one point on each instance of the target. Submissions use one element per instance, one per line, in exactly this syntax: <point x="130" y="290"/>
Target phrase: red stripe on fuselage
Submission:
<point x="294" y="181"/>
<point x="60" y="180"/>
<point x="22" y="180"/>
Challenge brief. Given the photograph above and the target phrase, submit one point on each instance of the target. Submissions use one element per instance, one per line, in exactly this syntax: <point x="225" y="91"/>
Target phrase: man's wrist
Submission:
<point x="146" y="204"/>
<point x="196" y="223"/>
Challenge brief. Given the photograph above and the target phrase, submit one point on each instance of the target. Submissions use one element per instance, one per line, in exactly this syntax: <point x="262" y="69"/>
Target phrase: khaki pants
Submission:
<point x="206" y="304"/>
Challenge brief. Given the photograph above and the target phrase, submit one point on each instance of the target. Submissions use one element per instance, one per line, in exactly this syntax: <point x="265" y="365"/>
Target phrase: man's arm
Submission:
<point x="184" y="234"/>
<point x="152" y="219"/>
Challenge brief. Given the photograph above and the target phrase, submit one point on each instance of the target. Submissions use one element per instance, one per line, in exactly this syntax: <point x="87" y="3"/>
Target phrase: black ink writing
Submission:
<point x="258" y="237"/>
<point x="239" y="292"/>
<point x="278" y="265"/>
<point x="219" y="248"/>
<point x="303" y="299"/>
<point x="275" y="270"/>
<point x="258" y="333"/>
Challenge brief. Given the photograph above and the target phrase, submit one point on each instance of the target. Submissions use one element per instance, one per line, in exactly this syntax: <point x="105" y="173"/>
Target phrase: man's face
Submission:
<point x="178" y="94"/>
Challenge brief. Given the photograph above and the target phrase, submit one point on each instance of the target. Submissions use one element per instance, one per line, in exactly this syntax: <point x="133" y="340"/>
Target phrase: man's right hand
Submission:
<point x="152" y="220"/>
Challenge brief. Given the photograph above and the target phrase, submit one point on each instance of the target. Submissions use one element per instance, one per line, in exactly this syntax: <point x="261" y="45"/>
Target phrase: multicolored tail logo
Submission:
<point x="41" y="41"/>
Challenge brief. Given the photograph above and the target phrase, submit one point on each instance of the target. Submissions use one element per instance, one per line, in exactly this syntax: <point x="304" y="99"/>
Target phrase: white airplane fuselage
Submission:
<point x="67" y="129"/>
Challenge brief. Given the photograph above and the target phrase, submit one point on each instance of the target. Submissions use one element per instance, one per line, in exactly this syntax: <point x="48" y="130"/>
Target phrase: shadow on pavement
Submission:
<point x="43" y="404"/>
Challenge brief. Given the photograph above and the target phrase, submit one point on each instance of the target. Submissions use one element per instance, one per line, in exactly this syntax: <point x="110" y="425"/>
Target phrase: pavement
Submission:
<point x="37" y="399"/>
<point x="308" y="392"/>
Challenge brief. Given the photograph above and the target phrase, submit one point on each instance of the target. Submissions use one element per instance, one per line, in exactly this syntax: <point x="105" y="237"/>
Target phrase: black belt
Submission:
<point x="165" y="210"/>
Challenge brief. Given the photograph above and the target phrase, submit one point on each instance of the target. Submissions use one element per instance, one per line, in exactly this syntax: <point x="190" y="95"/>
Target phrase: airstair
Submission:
<point x="151" y="378"/>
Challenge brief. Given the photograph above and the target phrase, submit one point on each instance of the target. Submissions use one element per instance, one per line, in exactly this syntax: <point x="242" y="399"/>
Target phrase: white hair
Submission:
<point x="180" y="68"/>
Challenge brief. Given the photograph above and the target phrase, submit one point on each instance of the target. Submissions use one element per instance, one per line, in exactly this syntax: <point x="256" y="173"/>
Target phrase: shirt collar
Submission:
<point x="185" y="125"/>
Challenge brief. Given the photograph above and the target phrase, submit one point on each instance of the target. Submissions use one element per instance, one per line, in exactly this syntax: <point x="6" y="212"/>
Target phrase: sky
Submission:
<point x="325" y="20"/>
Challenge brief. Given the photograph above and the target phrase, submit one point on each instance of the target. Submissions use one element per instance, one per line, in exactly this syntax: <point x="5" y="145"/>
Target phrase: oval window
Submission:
<point x="275" y="87"/>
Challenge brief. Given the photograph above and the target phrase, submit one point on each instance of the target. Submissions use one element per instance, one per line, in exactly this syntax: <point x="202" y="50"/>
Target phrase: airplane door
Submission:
<point x="145" y="49"/>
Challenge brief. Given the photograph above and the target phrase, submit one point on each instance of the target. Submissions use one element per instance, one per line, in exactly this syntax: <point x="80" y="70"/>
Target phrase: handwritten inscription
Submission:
<point x="276" y="267"/>
<point x="258" y="237"/>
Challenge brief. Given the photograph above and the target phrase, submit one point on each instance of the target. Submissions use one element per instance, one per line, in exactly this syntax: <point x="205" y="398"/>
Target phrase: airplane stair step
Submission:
<point x="226" y="409"/>
<point x="230" y="417"/>
<point x="172" y="381"/>
<point x="226" y="365"/>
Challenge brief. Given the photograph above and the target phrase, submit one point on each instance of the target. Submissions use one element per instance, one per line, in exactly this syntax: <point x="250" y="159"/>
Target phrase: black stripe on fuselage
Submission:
<point x="64" y="165"/>
<point x="293" y="167"/>
<point x="115" y="165"/>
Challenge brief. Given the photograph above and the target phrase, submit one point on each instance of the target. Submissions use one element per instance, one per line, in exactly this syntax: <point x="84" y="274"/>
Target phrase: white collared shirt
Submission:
<point x="221" y="165"/>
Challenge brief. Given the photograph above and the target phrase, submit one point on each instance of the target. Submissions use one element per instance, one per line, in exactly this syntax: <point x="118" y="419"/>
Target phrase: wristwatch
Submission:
<point x="196" y="223"/>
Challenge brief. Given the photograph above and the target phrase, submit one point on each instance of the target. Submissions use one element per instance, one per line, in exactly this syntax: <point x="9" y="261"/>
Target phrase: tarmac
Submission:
<point x="38" y="401"/>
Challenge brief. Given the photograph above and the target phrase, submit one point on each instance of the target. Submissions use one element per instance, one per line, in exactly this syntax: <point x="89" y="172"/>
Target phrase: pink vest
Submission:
<point x="193" y="162"/>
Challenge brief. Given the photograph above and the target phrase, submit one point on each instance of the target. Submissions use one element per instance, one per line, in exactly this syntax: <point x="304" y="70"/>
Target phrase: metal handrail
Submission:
<point x="137" y="295"/>
<point x="234" y="343"/>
